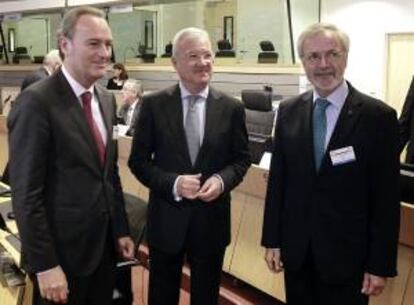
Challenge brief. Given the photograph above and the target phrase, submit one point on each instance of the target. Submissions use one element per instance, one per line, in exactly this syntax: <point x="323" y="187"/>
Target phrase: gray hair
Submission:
<point x="193" y="33"/>
<point x="67" y="27"/>
<point x="323" y="28"/>
<point x="52" y="58"/>
<point x="134" y="86"/>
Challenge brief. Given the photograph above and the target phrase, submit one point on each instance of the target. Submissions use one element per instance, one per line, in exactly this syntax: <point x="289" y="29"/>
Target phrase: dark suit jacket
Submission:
<point x="406" y="121"/>
<point x="347" y="214"/>
<point x="159" y="154"/>
<point x="123" y="115"/>
<point x="33" y="77"/>
<point x="66" y="202"/>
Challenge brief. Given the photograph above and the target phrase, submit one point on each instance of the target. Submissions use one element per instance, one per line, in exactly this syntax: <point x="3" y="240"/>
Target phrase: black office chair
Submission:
<point x="168" y="50"/>
<point x="407" y="183"/>
<point x="260" y="118"/>
<point x="20" y="54"/>
<point x="225" y="49"/>
<point x="268" y="54"/>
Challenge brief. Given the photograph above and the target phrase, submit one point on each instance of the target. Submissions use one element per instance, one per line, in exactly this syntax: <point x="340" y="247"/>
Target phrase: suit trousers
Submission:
<point x="94" y="289"/>
<point x="165" y="277"/>
<point x="306" y="287"/>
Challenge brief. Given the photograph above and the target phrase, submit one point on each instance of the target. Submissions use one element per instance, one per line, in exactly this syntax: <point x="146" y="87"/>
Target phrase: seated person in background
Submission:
<point x="51" y="63"/>
<point x="119" y="78"/>
<point x="131" y="96"/>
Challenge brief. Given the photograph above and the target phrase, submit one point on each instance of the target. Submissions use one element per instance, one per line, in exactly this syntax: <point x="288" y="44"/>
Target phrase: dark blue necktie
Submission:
<point x="319" y="130"/>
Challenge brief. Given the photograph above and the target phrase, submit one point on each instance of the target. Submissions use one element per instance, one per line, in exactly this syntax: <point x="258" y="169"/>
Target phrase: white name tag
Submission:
<point x="342" y="155"/>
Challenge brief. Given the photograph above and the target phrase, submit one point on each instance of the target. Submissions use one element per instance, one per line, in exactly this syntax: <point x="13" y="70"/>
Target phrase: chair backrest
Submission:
<point x="259" y="121"/>
<point x="225" y="49"/>
<point x="168" y="50"/>
<point x="266" y="46"/>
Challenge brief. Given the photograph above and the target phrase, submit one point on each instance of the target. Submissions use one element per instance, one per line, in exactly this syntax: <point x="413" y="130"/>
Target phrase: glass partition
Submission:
<point x="151" y="25"/>
<point x="34" y="34"/>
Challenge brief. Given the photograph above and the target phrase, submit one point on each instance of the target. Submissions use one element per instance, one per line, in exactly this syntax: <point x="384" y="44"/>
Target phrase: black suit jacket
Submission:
<point x="33" y="77"/>
<point x="159" y="154"/>
<point x="347" y="214"/>
<point x="66" y="202"/>
<point x="406" y="122"/>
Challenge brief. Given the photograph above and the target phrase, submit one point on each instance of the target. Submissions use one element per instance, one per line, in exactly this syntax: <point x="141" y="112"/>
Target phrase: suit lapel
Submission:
<point x="74" y="110"/>
<point x="213" y="110"/>
<point x="175" y="118"/>
<point x="306" y="109"/>
<point x="105" y="106"/>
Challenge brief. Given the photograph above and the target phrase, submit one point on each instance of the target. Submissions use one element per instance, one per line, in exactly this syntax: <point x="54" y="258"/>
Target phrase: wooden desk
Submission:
<point x="13" y="295"/>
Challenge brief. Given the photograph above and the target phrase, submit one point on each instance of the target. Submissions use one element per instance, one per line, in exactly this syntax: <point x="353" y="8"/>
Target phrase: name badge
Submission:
<point x="342" y="155"/>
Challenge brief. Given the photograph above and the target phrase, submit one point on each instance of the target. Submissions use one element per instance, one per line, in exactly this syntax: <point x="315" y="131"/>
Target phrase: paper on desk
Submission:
<point x="265" y="161"/>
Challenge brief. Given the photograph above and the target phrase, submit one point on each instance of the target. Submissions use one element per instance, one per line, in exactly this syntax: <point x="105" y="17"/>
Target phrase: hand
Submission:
<point x="210" y="190"/>
<point x="188" y="186"/>
<point x="126" y="247"/>
<point x="272" y="258"/>
<point x="373" y="285"/>
<point x="53" y="285"/>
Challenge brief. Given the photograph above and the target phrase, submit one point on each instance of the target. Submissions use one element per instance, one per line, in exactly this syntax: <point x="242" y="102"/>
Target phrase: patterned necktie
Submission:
<point x="319" y="130"/>
<point x="192" y="128"/>
<point x="86" y="101"/>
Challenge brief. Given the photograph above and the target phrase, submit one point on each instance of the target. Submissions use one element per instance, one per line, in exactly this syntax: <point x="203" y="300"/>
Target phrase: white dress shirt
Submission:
<point x="78" y="89"/>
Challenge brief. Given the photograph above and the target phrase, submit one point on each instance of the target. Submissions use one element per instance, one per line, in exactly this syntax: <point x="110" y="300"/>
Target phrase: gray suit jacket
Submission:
<point x="123" y="115"/>
<point x="33" y="77"/>
<point x="66" y="202"/>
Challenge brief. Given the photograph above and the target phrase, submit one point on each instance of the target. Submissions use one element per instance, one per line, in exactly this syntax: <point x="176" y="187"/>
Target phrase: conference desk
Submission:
<point x="20" y="295"/>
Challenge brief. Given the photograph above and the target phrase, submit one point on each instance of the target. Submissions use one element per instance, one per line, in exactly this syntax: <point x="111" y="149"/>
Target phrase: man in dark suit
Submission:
<point x="51" y="63"/>
<point x="63" y="170"/>
<point x="332" y="205"/>
<point x="132" y="98"/>
<point x="406" y="122"/>
<point x="190" y="150"/>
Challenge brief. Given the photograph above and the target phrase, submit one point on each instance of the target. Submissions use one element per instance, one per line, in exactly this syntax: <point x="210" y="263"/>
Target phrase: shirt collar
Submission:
<point x="77" y="88"/>
<point x="185" y="93"/>
<point x="134" y="104"/>
<point x="336" y="98"/>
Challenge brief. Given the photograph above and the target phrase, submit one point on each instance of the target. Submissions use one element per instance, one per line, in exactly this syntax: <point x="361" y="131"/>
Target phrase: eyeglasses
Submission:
<point x="330" y="56"/>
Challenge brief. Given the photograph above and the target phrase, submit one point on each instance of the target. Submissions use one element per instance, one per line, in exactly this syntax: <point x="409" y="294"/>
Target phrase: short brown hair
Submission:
<point x="67" y="26"/>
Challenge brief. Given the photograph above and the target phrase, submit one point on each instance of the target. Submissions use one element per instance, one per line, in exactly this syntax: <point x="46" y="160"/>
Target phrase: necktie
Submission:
<point x="319" y="130"/>
<point x="192" y="128"/>
<point x="86" y="101"/>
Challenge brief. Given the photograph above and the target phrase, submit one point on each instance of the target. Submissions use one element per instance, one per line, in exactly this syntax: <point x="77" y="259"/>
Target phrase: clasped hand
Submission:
<point x="189" y="187"/>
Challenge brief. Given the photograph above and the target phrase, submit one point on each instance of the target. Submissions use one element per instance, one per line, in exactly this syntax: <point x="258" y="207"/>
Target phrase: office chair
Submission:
<point x="268" y="54"/>
<point x="259" y="121"/>
<point x="407" y="183"/>
<point x="136" y="210"/>
<point x="225" y="49"/>
<point x="21" y="55"/>
<point x="168" y="50"/>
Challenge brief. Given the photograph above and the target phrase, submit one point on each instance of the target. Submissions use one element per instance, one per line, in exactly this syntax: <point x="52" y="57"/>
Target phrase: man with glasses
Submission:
<point x="332" y="210"/>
